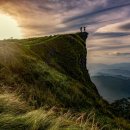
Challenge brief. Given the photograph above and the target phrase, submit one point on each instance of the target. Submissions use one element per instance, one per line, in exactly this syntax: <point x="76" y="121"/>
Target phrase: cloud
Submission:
<point x="38" y="17"/>
<point x="125" y="26"/>
<point x="119" y="27"/>
<point x="109" y="44"/>
<point x="108" y="47"/>
<point x="102" y="14"/>
<point x="116" y="53"/>
<point x="41" y="17"/>
<point x="111" y="34"/>
<point x="97" y="11"/>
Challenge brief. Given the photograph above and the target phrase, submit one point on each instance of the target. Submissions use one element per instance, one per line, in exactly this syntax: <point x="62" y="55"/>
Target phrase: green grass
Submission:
<point x="27" y="71"/>
<point x="15" y="114"/>
<point x="46" y="72"/>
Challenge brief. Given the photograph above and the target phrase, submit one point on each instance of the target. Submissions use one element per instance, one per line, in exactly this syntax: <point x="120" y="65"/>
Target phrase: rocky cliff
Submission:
<point x="48" y="71"/>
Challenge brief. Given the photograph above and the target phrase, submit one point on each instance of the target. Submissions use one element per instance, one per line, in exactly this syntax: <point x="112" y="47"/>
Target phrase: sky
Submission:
<point x="107" y="21"/>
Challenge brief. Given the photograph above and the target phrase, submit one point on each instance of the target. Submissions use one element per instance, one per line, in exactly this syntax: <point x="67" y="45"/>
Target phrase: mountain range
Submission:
<point x="112" y="81"/>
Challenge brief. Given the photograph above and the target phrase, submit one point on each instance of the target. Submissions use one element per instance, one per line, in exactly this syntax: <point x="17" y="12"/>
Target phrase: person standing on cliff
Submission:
<point x="84" y="29"/>
<point x="81" y="29"/>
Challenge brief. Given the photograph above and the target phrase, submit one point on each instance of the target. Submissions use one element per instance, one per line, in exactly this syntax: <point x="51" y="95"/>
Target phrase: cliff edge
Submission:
<point x="45" y="72"/>
<point x="49" y="70"/>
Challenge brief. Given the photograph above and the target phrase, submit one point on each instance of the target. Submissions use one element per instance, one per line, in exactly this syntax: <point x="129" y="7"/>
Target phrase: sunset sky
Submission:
<point x="107" y="21"/>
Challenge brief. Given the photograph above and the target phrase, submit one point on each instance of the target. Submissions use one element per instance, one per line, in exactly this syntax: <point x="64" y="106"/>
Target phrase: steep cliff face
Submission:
<point x="67" y="54"/>
<point x="49" y="71"/>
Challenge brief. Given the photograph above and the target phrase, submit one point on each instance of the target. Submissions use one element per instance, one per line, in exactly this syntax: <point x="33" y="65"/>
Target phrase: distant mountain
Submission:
<point x="114" y="72"/>
<point x="112" y="69"/>
<point x="123" y="66"/>
<point x="112" y="87"/>
<point x="112" y="81"/>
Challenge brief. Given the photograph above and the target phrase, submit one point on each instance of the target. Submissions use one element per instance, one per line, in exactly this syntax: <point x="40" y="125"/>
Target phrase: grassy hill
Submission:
<point x="37" y="74"/>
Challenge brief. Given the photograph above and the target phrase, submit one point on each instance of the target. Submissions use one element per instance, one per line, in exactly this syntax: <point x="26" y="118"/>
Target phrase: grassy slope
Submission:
<point x="50" y="71"/>
<point x="17" y="115"/>
<point x="55" y="66"/>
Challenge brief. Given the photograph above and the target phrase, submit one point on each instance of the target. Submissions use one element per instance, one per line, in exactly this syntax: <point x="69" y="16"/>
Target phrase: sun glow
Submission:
<point x="9" y="28"/>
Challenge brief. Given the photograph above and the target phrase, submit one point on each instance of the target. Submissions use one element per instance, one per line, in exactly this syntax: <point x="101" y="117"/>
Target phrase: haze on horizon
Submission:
<point x="107" y="21"/>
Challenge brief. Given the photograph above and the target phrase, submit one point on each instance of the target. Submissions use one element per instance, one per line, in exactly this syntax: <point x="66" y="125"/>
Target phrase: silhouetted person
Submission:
<point x="84" y="29"/>
<point x="81" y="29"/>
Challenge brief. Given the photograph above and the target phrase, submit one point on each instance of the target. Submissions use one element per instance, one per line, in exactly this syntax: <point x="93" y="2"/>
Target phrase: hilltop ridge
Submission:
<point x="53" y="64"/>
<point x="51" y="71"/>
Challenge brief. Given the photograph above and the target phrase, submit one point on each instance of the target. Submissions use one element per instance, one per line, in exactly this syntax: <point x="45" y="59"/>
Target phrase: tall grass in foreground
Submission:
<point x="46" y="120"/>
<point x="15" y="114"/>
